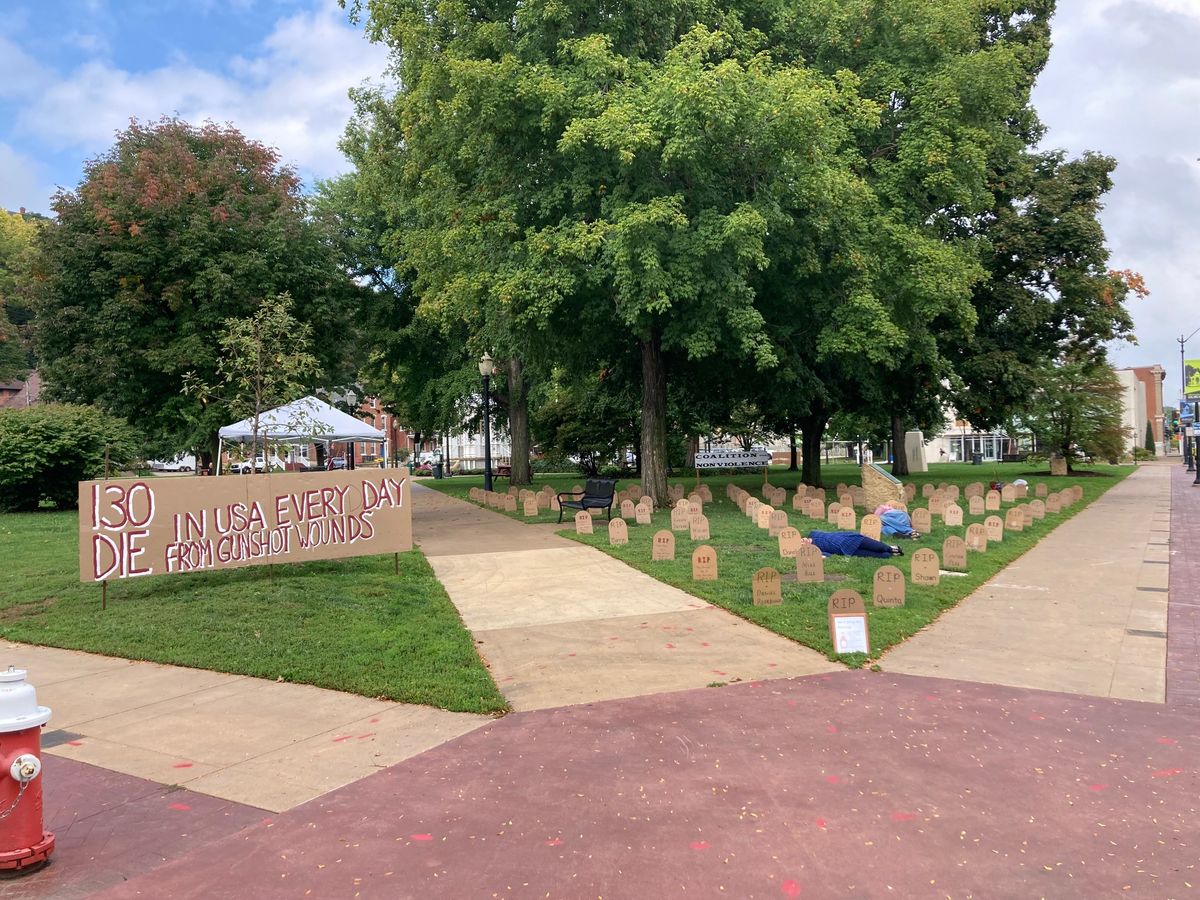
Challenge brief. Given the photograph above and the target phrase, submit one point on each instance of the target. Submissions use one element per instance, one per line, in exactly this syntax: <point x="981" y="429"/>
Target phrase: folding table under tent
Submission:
<point x="306" y="419"/>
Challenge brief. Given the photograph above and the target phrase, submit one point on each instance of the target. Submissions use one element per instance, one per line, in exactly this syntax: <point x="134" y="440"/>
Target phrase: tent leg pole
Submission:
<point x="396" y="560"/>
<point x="104" y="595"/>
<point x="220" y="453"/>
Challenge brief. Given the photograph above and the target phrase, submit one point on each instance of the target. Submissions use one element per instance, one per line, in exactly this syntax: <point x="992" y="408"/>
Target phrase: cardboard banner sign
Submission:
<point x="848" y="623"/>
<point x="732" y="459"/>
<point x="131" y="527"/>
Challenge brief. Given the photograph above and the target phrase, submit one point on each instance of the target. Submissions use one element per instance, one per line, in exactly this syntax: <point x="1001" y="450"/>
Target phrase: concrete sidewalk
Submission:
<point x="1084" y="611"/>
<point x="559" y="623"/>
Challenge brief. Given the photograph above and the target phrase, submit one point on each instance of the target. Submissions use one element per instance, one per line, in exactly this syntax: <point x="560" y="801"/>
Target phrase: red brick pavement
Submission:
<point x="1183" y="603"/>
<point x="854" y="784"/>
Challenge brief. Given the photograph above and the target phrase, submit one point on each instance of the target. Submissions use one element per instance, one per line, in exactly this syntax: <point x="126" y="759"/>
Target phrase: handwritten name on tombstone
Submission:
<point x="977" y="539"/>
<point x="642" y="513"/>
<point x="789" y="541"/>
<point x="952" y="515"/>
<point x="618" y="532"/>
<point x="871" y="526"/>
<point x="832" y="513"/>
<point x="816" y="509"/>
<point x="583" y="522"/>
<point x="1014" y="519"/>
<point x="679" y="516"/>
<point x="921" y="519"/>
<point x="704" y="563"/>
<point x="1008" y="493"/>
<point x="530" y="506"/>
<point x="763" y="517"/>
<point x="1054" y="504"/>
<point x="954" y="554"/>
<point x="889" y="587"/>
<point x="662" y="548"/>
<point x="1038" y="508"/>
<point x="991" y="501"/>
<point x="848" y="622"/>
<point x="847" y="519"/>
<point x="975" y="505"/>
<point x="994" y="526"/>
<point x="130" y="527"/>
<point x="777" y="522"/>
<point x="810" y="564"/>
<point x="765" y="587"/>
<point x="924" y="569"/>
<point x="699" y="527"/>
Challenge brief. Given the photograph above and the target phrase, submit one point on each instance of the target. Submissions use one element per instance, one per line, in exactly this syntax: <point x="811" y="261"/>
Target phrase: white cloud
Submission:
<point x="22" y="182"/>
<point x="291" y="95"/>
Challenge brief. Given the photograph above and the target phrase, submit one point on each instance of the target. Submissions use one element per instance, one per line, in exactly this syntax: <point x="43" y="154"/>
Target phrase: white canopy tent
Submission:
<point x="303" y="420"/>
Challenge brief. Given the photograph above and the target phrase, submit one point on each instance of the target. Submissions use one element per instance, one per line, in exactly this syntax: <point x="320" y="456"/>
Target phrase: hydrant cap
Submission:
<point x="18" y="703"/>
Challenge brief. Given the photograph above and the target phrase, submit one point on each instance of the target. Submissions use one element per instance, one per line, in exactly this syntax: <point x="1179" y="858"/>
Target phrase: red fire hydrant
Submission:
<point x="24" y="844"/>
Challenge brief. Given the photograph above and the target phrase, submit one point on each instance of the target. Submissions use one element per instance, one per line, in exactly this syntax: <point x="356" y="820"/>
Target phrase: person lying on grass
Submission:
<point x="850" y="543"/>
<point x="895" y="521"/>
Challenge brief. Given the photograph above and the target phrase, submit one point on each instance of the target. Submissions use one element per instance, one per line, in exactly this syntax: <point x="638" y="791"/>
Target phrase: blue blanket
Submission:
<point x="896" y="521"/>
<point x="837" y="543"/>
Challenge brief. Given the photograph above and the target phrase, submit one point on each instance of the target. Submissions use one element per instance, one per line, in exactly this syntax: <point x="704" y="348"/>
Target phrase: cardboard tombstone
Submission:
<point x="510" y="502"/>
<point x="1021" y="491"/>
<point x="1054" y="504"/>
<point x="810" y="564"/>
<point x="858" y="495"/>
<point x="1041" y="490"/>
<point x="927" y="490"/>
<point x="910" y="492"/>
<point x="800" y="503"/>
<point x="994" y="526"/>
<point x="767" y="490"/>
<point x="1014" y="519"/>
<point x="954" y="554"/>
<point x="1078" y="491"/>
<point x="474" y="493"/>
<point x="898" y="504"/>
<point x="554" y="504"/>
<point x="889" y="587"/>
<point x="677" y="491"/>
<point x="777" y="522"/>
<point x="937" y="504"/>
<point x="742" y="502"/>
<point x="871" y="526"/>
<point x="817" y="494"/>
<point x="523" y="493"/>
<point x="627" y="509"/>
<point x="698" y="527"/>
<point x="952" y="515"/>
<point x="975" y="505"/>
<point x="1038" y="508"/>
<point x="789" y="541"/>
<point x="991" y="501"/>
<point x="542" y="499"/>
<point x="705" y="493"/>
<point x="921" y="520"/>
<point x="513" y="490"/>
<point x="765" y="587"/>
<point x="695" y="510"/>
<point x="924" y="569"/>
<point x="704" y="563"/>
<point x="840" y="488"/>
<point x="618" y="532"/>
<point x="779" y="498"/>
<point x="531" y="507"/>
<point x="663" y="547"/>
<point x="680" y="517"/>
<point x="952" y="493"/>
<point x="847" y="519"/>
<point x="846" y="499"/>
<point x="763" y="517"/>
<point x="832" y="512"/>
<point x="974" y="489"/>
<point x="695" y="499"/>
<point x="848" y="622"/>
<point x="943" y="485"/>
<point x="1027" y="512"/>
<point x="977" y="539"/>
<point x="583" y="523"/>
<point x="1008" y="494"/>
<point x="752" y="507"/>
<point x="816" y="509"/>
<point x="642" y="513"/>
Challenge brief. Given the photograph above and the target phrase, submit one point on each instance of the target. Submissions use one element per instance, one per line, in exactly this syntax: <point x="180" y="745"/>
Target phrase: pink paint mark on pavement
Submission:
<point x="700" y="845"/>
<point x="182" y="807"/>
<point x="182" y="765"/>
<point x="790" y="888"/>
<point x="1165" y="773"/>
<point x="903" y="816"/>
<point x="421" y="837"/>
<point x="554" y="842"/>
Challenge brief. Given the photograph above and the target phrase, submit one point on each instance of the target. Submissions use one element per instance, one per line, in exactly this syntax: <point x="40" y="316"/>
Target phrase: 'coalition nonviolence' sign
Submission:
<point x="732" y="459"/>
<point x="132" y="527"/>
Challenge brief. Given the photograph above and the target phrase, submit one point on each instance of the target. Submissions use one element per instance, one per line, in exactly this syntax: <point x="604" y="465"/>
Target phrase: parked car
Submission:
<point x="184" y="462"/>
<point x="258" y="464"/>
<point x="335" y="462"/>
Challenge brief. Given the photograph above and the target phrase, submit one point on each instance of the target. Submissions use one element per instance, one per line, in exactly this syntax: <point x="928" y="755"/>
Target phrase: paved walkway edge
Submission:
<point x="1183" y="599"/>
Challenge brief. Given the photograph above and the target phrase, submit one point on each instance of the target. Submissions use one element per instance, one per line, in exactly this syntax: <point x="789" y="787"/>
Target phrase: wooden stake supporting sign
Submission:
<point x="889" y="586"/>
<point x="848" y="623"/>
<point x="766" y="587"/>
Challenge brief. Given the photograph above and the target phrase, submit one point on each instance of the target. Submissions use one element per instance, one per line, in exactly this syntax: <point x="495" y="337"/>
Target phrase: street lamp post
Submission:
<point x="486" y="367"/>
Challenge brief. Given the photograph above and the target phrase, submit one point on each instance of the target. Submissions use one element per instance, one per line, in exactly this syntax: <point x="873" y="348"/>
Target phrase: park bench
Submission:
<point x="597" y="493"/>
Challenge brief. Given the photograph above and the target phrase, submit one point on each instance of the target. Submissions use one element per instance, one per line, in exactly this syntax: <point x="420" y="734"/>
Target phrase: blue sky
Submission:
<point x="1123" y="79"/>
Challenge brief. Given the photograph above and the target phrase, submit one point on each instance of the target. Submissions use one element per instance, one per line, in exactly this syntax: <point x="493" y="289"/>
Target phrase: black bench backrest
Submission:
<point x="600" y="487"/>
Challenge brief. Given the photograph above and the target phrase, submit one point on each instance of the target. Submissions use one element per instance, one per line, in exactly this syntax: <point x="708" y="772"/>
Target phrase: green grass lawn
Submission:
<point x="742" y="549"/>
<point x="350" y="625"/>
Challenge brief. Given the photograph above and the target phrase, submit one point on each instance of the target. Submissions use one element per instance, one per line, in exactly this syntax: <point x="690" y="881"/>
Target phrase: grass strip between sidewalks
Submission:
<point x="349" y="625"/>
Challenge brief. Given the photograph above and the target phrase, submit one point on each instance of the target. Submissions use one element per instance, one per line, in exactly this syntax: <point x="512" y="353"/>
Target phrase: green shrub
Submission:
<point x="45" y="451"/>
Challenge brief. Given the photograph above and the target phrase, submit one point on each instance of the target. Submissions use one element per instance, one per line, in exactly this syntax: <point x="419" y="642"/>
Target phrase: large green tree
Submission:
<point x="17" y="233"/>
<point x="173" y="231"/>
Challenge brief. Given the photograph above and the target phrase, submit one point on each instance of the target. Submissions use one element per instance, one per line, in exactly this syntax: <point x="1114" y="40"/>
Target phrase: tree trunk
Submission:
<point x="812" y="430"/>
<point x="793" y="466"/>
<point x="693" y="447"/>
<point x="654" y="420"/>
<point x="899" y="456"/>
<point x="518" y="423"/>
